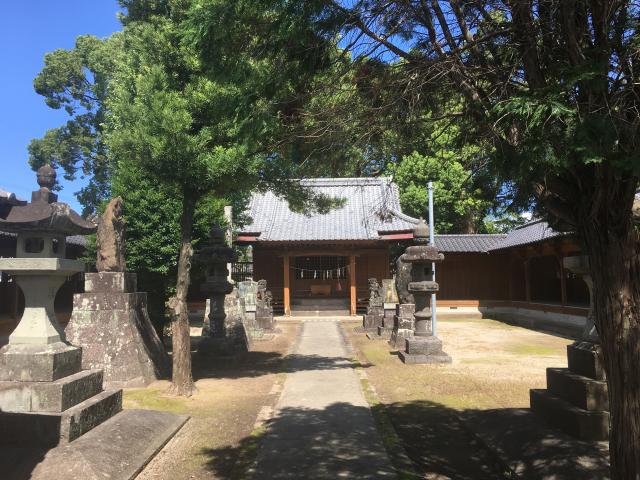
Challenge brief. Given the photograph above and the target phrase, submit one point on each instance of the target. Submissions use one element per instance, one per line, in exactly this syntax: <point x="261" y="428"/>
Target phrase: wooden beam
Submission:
<point x="287" y="292"/>
<point x="352" y="282"/>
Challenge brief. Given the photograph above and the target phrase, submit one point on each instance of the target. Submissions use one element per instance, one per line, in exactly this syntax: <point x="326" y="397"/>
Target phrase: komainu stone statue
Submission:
<point x="375" y="311"/>
<point x="110" y="238"/>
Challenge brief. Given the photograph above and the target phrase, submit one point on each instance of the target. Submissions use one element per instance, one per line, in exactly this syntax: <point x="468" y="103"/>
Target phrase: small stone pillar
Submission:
<point x="248" y="291"/>
<point x="375" y="311"/>
<point x="45" y="396"/>
<point x="390" y="300"/>
<point x="402" y="324"/>
<point x="576" y="398"/>
<point x="218" y="334"/>
<point x="424" y="346"/>
<point x="264" y="308"/>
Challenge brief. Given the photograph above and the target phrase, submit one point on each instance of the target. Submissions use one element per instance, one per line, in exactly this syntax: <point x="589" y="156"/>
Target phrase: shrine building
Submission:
<point x="323" y="261"/>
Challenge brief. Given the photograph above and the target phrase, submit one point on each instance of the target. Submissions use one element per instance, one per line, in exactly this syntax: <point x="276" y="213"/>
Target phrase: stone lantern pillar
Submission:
<point x="45" y="396"/>
<point x="215" y="256"/>
<point x="424" y="346"/>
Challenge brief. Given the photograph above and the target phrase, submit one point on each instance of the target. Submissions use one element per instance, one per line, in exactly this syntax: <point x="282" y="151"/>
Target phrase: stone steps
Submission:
<point x="580" y="423"/>
<point x="51" y="429"/>
<point x="580" y="391"/>
<point x="50" y="397"/>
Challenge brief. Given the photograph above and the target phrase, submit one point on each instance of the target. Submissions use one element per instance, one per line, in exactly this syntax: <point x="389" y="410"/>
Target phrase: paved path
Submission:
<point x="322" y="427"/>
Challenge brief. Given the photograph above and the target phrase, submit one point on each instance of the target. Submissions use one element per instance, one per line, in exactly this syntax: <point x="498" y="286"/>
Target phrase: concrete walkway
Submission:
<point x="323" y="427"/>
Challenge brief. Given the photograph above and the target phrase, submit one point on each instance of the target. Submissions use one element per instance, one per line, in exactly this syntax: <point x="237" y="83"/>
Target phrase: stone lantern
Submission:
<point x="215" y="256"/>
<point x="424" y="346"/>
<point x="45" y="396"/>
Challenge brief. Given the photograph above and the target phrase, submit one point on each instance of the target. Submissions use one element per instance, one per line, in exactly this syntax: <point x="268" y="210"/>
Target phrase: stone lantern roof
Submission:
<point x="45" y="214"/>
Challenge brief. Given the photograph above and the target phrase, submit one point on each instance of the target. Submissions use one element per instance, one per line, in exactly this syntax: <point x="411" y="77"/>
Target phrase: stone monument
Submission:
<point x="110" y="320"/>
<point x="403" y="278"/>
<point x="222" y="331"/>
<point x="375" y="311"/>
<point x="390" y="300"/>
<point x="576" y="398"/>
<point x="264" y="307"/>
<point x="45" y="396"/>
<point x="248" y="291"/>
<point x="424" y="346"/>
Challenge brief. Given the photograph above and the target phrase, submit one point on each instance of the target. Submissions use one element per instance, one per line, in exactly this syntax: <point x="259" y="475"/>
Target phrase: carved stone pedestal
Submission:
<point x="111" y="324"/>
<point x="425" y="350"/>
<point x="373" y="319"/>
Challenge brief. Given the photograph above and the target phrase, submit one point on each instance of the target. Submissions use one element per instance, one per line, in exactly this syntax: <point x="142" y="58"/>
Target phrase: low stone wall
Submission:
<point x="563" y="323"/>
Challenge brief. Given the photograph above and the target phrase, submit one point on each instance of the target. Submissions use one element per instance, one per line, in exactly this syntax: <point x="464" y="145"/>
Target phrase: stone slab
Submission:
<point x="417" y="359"/>
<point x="110" y="282"/>
<point x="52" y="397"/>
<point x="579" y="423"/>
<point x="116" y="450"/>
<point x="528" y="449"/>
<point x="581" y="391"/>
<point x="39" y="363"/>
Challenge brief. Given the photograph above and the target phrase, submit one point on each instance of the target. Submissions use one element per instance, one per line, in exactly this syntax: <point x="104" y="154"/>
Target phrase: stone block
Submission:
<point x="423" y="345"/>
<point x="582" y="392"/>
<point x="403" y="323"/>
<point x="108" y="301"/>
<point x="405" y="310"/>
<point x="55" y="396"/>
<point x="580" y="423"/>
<point x="384" y="332"/>
<point x="50" y="429"/>
<point x="585" y="359"/>
<point x="105" y="282"/>
<point x="39" y="363"/>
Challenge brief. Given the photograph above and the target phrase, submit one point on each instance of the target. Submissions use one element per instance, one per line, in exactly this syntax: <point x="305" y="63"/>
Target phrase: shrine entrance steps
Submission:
<point x="319" y="307"/>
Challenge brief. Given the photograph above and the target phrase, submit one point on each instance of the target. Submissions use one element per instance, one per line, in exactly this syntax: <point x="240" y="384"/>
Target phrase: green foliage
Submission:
<point x="76" y="80"/>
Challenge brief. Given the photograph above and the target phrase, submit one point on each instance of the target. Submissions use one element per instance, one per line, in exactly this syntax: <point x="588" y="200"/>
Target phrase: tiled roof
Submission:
<point x="9" y="198"/>
<point x="371" y="207"/>
<point x="468" y="243"/>
<point x="532" y="232"/>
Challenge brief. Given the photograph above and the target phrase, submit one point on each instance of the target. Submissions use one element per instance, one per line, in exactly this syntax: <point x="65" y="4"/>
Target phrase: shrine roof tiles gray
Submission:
<point x="530" y="233"/>
<point x="371" y="208"/>
<point x="468" y="243"/>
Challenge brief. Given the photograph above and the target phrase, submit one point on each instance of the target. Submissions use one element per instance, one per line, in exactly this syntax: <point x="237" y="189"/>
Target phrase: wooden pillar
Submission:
<point x="287" y="292"/>
<point x="352" y="282"/>
<point x="527" y="279"/>
<point x="563" y="282"/>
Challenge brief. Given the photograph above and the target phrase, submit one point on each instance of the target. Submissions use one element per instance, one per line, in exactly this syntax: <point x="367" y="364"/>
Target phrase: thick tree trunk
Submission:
<point x="612" y="244"/>
<point x="182" y="378"/>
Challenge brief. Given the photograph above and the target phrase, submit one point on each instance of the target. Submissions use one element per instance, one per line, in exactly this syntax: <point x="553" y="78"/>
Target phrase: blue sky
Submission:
<point x="30" y="29"/>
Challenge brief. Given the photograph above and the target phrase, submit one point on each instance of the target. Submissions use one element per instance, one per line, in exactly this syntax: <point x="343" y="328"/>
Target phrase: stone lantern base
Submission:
<point x="46" y="398"/>
<point x="425" y="350"/>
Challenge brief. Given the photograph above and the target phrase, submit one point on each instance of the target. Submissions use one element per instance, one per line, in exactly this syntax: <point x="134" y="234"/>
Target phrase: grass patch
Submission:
<point x="154" y="399"/>
<point x="533" y="350"/>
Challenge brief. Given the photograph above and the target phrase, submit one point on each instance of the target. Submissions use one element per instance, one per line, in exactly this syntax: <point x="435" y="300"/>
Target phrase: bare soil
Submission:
<point x="494" y="366"/>
<point x="215" y="443"/>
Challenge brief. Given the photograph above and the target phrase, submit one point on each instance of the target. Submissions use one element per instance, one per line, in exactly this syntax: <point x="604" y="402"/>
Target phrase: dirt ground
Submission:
<point x="215" y="443"/>
<point x="494" y="366"/>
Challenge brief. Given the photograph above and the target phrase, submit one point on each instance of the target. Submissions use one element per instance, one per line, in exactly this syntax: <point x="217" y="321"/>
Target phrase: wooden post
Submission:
<point x="287" y="294"/>
<point x="352" y="282"/>
<point x="527" y="279"/>
<point x="563" y="282"/>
